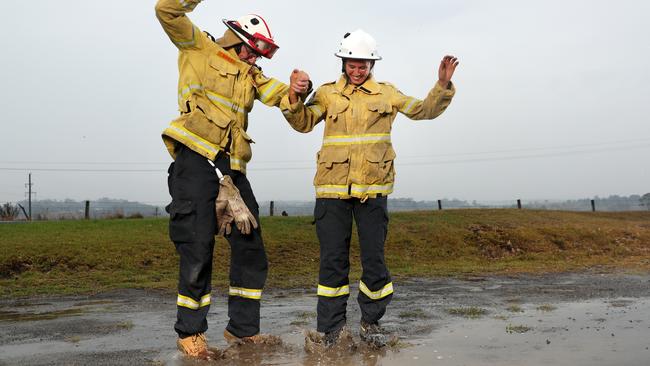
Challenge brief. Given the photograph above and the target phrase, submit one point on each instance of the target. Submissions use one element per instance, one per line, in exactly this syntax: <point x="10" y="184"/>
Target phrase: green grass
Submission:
<point x="520" y="329"/>
<point x="546" y="308"/>
<point x="72" y="257"/>
<point x="515" y="309"/>
<point x="471" y="312"/>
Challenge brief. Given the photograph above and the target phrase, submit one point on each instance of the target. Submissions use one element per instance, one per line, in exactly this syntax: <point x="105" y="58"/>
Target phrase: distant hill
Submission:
<point x="611" y="203"/>
<point x="117" y="208"/>
<point x="98" y="209"/>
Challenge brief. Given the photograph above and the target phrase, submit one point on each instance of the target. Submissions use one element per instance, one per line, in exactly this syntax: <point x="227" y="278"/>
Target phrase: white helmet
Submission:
<point x="358" y="45"/>
<point x="253" y="30"/>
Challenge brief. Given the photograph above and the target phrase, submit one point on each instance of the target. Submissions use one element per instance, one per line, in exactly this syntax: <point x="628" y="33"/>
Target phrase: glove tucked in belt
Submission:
<point x="231" y="207"/>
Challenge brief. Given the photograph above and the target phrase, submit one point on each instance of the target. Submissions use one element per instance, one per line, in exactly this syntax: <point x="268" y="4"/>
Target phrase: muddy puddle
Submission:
<point x="567" y="319"/>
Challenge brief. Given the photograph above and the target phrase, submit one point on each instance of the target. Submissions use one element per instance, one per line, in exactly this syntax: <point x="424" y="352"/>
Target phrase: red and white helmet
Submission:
<point x="253" y="30"/>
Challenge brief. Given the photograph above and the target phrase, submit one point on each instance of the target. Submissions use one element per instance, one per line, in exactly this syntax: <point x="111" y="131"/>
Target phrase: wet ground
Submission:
<point x="559" y="319"/>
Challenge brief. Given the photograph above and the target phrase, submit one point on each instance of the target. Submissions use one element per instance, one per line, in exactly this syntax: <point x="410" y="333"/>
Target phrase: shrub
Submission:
<point x="8" y="212"/>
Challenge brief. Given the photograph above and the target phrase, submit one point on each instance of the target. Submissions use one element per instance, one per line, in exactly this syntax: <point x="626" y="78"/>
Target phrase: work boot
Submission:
<point x="374" y="335"/>
<point x="268" y="339"/>
<point x="331" y="338"/>
<point x="196" y="346"/>
<point x="318" y="342"/>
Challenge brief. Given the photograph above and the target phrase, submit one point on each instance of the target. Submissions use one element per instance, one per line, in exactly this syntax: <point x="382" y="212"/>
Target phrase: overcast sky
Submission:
<point x="552" y="101"/>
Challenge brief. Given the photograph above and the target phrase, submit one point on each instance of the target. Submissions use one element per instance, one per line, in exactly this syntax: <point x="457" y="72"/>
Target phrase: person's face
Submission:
<point x="247" y="55"/>
<point x="357" y="70"/>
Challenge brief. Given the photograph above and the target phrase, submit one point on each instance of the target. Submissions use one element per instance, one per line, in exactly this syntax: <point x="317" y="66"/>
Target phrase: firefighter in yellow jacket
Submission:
<point x="354" y="176"/>
<point x="218" y="83"/>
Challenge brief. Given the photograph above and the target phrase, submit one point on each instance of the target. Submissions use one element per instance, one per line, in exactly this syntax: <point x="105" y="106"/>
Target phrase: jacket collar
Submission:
<point x="370" y="86"/>
<point x="243" y="66"/>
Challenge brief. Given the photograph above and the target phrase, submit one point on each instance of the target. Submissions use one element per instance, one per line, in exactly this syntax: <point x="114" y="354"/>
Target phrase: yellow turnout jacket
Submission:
<point x="356" y="158"/>
<point x="216" y="90"/>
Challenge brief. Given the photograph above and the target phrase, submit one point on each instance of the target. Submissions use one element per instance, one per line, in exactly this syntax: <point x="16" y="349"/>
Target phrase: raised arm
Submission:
<point x="179" y="28"/>
<point x="438" y="98"/>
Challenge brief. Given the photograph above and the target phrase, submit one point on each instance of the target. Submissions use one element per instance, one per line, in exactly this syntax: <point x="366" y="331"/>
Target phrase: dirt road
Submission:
<point x="559" y="319"/>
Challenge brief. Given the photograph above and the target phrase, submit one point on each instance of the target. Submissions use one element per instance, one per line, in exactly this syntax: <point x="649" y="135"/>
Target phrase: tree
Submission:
<point x="645" y="200"/>
<point x="8" y="212"/>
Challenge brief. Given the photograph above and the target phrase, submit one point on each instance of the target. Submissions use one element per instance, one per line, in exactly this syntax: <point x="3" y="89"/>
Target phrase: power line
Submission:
<point x="533" y="156"/>
<point x="311" y="167"/>
<point x="562" y="147"/>
<point x="131" y="163"/>
<point x="83" y="162"/>
<point x="85" y="170"/>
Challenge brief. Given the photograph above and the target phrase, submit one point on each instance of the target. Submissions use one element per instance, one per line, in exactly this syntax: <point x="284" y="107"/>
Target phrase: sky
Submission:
<point x="552" y="101"/>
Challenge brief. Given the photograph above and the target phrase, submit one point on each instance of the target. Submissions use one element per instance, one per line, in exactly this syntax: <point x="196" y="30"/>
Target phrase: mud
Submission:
<point x="559" y="319"/>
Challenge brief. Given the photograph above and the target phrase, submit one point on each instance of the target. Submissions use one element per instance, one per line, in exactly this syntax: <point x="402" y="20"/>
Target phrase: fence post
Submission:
<point x="271" y="208"/>
<point x="519" y="203"/>
<point x="593" y="206"/>
<point x="87" y="211"/>
<point x="439" y="205"/>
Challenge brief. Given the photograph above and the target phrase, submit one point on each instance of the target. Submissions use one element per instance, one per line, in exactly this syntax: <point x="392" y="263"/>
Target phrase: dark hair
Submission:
<point x="372" y="64"/>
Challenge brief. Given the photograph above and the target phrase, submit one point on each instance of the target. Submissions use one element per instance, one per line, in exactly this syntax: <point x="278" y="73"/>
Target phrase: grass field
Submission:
<point x="73" y="257"/>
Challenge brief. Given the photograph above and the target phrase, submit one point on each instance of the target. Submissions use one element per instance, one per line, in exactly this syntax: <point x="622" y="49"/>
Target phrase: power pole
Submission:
<point x="29" y="194"/>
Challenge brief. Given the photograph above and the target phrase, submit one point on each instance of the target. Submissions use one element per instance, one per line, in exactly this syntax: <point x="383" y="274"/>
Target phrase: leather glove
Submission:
<point x="224" y="217"/>
<point x="231" y="207"/>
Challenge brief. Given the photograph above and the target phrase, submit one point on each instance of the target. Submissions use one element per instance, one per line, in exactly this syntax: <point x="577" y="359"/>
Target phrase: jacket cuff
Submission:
<point x="449" y="91"/>
<point x="286" y="106"/>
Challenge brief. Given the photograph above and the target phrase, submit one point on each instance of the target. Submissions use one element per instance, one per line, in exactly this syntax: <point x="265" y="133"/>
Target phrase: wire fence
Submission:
<point x="120" y="209"/>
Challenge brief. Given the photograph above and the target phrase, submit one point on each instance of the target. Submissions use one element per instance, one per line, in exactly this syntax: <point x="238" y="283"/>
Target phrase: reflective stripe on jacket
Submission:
<point x="216" y="90"/>
<point x="356" y="158"/>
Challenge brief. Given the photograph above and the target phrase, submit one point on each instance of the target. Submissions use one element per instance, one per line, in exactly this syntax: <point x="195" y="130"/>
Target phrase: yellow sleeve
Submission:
<point x="179" y="28"/>
<point x="269" y="90"/>
<point x="431" y="107"/>
<point x="303" y="117"/>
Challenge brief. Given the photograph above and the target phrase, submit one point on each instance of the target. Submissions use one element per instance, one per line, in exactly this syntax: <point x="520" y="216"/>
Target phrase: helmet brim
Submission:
<point x="262" y="45"/>
<point x="344" y="56"/>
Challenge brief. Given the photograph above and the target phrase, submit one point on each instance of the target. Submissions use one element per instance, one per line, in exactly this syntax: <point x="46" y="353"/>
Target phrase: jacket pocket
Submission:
<point x="380" y="107"/>
<point x="215" y="132"/>
<point x="241" y="146"/>
<point x="221" y="79"/>
<point x="377" y="116"/>
<point x="336" y="110"/>
<point x="182" y="221"/>
<point x="333" y="165"/>
<point x="378" y="165"/>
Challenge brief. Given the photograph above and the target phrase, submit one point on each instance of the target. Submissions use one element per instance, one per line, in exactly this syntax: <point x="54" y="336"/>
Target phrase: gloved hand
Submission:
<point x="231" y="207"/>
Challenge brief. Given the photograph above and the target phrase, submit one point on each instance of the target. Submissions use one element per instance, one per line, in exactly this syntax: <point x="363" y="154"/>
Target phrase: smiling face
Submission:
<point x="357" y="70"/>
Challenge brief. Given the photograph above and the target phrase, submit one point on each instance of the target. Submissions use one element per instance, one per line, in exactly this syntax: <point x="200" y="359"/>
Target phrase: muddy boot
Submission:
<point x="318" y="342"/>
<point x="267" y="339"/>
<point x="196" y="346"/>
<point x="374" y="335"/>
